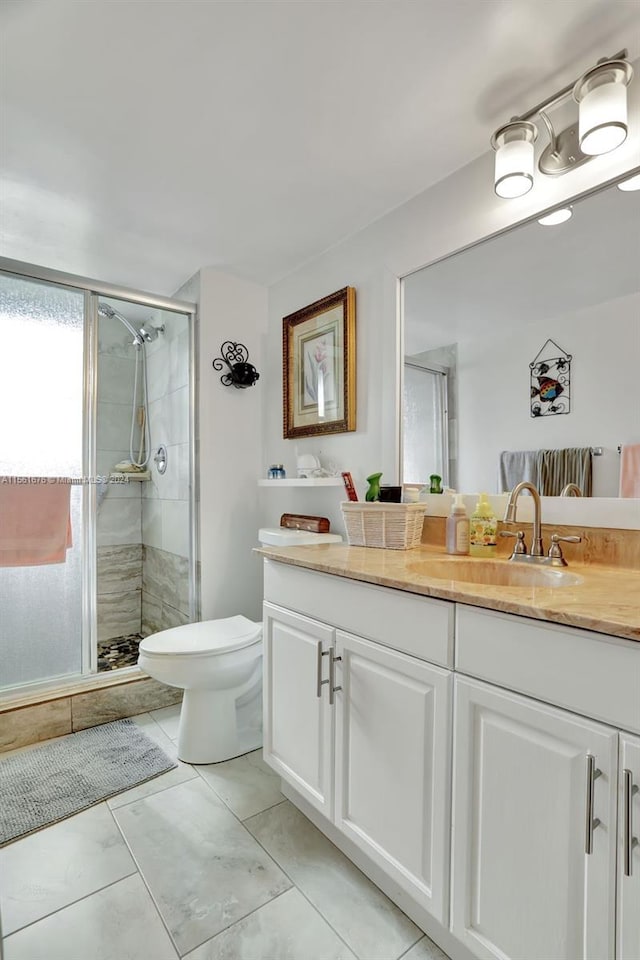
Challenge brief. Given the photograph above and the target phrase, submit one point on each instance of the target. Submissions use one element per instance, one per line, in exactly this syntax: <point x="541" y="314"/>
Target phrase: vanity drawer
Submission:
<point x="589" y="673"/>
<point x="406" y="622"/>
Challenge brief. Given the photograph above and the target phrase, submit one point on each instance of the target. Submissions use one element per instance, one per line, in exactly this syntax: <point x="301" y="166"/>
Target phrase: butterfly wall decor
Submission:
<point x="550" y="391"/>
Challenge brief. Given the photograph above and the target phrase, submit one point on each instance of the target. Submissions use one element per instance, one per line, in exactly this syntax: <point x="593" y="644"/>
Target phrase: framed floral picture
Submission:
<point x="319" y="367"/>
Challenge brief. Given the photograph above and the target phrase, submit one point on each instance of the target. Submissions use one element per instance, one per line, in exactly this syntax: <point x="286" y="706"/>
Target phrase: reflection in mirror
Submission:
<point x="426" y="388"/>
<point x="482" y="317"/>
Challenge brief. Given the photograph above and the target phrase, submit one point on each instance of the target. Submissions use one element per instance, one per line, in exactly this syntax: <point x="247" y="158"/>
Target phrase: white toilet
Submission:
<point x="218" y="663"/>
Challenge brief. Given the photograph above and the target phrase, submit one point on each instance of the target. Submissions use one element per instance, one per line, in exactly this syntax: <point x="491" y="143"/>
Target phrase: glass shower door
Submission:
<point x="425" y="426"/>
<point x="41" y="437"/>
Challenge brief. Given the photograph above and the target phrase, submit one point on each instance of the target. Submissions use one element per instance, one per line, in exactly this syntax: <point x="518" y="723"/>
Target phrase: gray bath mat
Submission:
<point x="48" y="783"/>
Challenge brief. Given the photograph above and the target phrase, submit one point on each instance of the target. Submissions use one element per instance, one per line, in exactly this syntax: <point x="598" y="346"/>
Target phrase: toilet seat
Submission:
<point x="206" y="638"/>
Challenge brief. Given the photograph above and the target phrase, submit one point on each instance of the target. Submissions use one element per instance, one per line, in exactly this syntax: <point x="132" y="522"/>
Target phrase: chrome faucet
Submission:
<point x="510" y="515"/>
<point x="554" y="558"/>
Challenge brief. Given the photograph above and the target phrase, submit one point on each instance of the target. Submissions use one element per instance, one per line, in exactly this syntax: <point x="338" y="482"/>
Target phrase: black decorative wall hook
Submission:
<point x="241" y="373"/>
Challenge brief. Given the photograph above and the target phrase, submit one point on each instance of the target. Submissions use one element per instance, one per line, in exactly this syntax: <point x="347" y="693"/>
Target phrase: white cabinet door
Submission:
<point x="523" y="885"/>
<point x="393" y="743"/>
<point x="628" y="926"/>
<point x="298" y="722"/>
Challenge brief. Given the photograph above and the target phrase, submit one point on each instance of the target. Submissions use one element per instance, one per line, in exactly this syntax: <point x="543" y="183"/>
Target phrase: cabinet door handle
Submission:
<point x="629" y="840"/>
<point x="591" y="822"/>
<point x="332" y="676"/>
<point x="319" y="681"/>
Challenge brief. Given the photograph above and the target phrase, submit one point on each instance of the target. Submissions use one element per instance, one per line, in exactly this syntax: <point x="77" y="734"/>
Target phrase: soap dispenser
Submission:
<point x="483" y="535"/>
<point x="458" y="528"/>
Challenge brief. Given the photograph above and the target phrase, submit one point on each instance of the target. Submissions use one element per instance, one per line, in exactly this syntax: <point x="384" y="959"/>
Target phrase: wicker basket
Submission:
<point x="394" y="526"/>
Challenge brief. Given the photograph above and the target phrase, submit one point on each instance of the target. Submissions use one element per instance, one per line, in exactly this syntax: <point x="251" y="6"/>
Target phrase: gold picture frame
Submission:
<point x="319" y="367"/>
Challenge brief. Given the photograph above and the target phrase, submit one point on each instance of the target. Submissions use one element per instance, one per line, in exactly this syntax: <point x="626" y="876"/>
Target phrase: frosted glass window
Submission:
<point x="41" y="407"/>
<point x="424" y="438"/>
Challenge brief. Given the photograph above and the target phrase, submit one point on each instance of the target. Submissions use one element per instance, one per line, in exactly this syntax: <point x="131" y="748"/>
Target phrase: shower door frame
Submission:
<point x="443" y="386"/>
<point x="93" y="289"/>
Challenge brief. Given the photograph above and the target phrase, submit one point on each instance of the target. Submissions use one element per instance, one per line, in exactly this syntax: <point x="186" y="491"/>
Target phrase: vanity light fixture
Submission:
<point x="513" y="145"/>
<point x="556" y="216"/>
<point x="633" y="183"/>
<point x="601" y="126"/>
<point x="601" y="95"/>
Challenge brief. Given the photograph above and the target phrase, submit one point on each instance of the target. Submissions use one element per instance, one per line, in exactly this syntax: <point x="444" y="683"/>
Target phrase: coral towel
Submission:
<point x="35" y="521"/>
<point x="630" y="470"/>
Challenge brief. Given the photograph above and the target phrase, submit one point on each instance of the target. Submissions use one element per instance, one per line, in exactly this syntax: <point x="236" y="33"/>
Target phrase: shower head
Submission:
<point x="149" y="333"/>
<point x="106" y="310"/>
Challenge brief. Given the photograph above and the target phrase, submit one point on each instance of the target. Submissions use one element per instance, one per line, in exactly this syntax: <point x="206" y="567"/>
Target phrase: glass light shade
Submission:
<point x="513" y="145"/>
<point x="602" y="97"/>
<point x="556" y="217"/>
<point x="633" y="183"/>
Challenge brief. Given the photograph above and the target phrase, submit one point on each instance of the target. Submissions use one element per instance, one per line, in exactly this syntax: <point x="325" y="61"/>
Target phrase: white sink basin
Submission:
<point x="495" y="573"/>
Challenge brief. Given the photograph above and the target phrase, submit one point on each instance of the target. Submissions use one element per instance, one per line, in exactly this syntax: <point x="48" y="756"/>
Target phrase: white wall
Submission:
<point x="493" y="387"/>
<point x="230" y="447"/>
<point x="451" y="215"/>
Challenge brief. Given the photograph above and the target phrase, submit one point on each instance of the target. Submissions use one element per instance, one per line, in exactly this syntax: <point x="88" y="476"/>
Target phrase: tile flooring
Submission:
<point x="205" y="863"/>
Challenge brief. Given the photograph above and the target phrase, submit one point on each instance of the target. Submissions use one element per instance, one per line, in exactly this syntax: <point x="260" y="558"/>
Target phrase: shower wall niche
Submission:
<point x="143" y="524"/>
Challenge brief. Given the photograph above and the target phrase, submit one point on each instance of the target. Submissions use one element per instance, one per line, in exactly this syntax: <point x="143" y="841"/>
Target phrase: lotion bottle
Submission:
<point x="458" y="528"/>
<point x="483" y="538"/>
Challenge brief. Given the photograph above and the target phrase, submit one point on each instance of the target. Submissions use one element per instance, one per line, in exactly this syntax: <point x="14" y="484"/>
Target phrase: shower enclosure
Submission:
<point x="97" y="392"/>
<point x="425" y="431"/>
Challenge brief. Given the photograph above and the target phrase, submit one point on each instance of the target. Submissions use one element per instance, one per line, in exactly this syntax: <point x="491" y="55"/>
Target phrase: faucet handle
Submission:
<point x="520" y="547"/>
<point x="555" y="550"/>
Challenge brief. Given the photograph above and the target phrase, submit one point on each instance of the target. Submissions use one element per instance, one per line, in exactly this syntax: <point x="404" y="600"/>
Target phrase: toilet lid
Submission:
<point x="208" y="636"/>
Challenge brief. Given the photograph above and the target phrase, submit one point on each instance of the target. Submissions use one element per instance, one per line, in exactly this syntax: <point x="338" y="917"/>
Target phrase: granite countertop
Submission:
<point x="606" y="600"/>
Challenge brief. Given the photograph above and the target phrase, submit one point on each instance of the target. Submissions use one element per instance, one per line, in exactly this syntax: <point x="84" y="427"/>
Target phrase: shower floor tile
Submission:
<point x="118" y="652"/>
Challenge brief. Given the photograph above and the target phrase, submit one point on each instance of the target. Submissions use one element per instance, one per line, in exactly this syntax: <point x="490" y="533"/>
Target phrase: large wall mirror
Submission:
<point x="474" y="409"/>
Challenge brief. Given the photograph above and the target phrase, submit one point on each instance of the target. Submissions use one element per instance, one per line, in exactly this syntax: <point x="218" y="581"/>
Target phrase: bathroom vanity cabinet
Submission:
<point x="362" y="731"/>
<point x="523" y="774"/>
<point x="628" y="871"/>
<point x="459" y="749"/>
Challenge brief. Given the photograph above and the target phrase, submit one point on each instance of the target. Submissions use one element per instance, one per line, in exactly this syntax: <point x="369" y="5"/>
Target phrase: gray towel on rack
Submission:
<point x="517" y="465"/>
<point x="560" y="467"/>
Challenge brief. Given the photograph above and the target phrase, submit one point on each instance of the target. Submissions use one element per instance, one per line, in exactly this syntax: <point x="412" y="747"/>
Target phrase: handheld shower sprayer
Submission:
<point x="105" y="310"/>
<point x="147" y="332"/>
<point x="140" y="412"/>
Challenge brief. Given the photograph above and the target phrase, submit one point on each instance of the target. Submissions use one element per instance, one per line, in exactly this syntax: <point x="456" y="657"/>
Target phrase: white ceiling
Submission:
<point x="142" y="140"/>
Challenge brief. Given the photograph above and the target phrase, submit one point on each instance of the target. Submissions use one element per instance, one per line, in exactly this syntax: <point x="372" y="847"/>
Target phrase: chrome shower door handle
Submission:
<point x="591" y="822"/>
<point x="629" y="841"/>
<point x="320" y="653"/>
<point x="332" y="676"/>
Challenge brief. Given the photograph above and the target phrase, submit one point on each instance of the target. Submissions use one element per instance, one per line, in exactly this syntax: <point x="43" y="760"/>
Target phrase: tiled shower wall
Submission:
<point x="119" y="522"/>
<point x="165" y="498"/>
<point x="165" y="590"/>
<point x="143" y="528"/>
